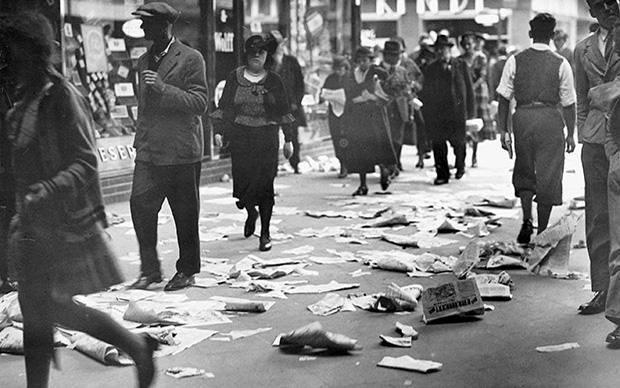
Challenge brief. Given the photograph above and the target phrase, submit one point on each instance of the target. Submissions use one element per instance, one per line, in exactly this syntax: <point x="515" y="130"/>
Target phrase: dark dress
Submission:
<point x="61" y="249"/>
<point x="336" y="124"/>
<point x="249" y="117"/>
<point x="367" y="127"/>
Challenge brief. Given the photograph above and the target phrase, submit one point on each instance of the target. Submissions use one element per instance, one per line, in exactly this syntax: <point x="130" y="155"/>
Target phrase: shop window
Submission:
<point x="102" y="42"/>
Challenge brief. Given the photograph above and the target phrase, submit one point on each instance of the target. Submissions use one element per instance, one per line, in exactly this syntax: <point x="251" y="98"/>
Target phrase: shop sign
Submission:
<point x="451" y="6"/>
<point x="224" y="42"/>
<point x="385" y="8"/>
<point x="115" y="153"/>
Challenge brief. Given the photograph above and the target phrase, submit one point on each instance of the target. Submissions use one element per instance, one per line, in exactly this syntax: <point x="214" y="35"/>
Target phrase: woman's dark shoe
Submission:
<point x="145" y="363"/>
<point x="362" y="190"/>
<point x="440" y="181"/>
<point x="264" y="244"/>
<point x="343" y="173"/>
<point x="385" y="178"/>
<point x="250" y="223"/>
<point x="420" y="163"/>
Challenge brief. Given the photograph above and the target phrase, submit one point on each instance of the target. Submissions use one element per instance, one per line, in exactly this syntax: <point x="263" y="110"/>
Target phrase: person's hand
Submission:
<point x="506" y="141"/>
<point x="219" y="141"/>
<point x="153" y="80"/>
<point x="287" y="150"/>
<point x="570" y="144"/>
<point x="37" y="193"/>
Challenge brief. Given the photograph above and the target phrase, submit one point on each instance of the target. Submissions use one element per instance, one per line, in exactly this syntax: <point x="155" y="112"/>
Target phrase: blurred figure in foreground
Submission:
<point x="57" y="237"/>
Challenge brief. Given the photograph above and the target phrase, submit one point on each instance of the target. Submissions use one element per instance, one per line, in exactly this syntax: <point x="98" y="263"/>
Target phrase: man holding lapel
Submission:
<point x="172" y="97"/>
<point x="595" y="64"/>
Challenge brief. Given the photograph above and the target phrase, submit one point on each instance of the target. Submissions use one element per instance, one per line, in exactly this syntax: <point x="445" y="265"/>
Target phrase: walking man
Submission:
<point x="448" y="98"/>
<point x="593" y="66"/>
<point x="540" y="81"/>
<point x="169" y="145"/>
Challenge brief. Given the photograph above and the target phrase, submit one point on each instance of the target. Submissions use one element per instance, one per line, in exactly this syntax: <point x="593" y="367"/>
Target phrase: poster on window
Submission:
<point x="94" y="49"/>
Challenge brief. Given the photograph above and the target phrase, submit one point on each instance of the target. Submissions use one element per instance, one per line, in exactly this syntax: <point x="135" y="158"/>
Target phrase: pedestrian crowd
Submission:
<point x="52" y="218"/>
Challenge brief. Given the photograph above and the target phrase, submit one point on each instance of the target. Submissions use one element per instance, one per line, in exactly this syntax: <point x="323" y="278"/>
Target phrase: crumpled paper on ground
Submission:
<point x="331" y="304"/>
<point x="557" y="348"/>
<point x="409" y="363"/>
<point x="396" y="298"/>
<point x="468" y="260"/>
<point x="315" y="336"/>
<point x="406" y="330"/>
<point x="98" y="350"/>
<point x="402" y="342"/>
<point x="179" y="372"/>
<point x="551" y="252"/>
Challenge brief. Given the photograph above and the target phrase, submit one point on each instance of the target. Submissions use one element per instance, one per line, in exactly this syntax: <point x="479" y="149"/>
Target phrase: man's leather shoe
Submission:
<point x="525" y="234"/>
<point x="613" y="338"/>
<point x="264" y="244"/>
<point x="596" y="305"/>
<point x="459" y="174"/>
<point x="440" y="181"/>
<point x="145" y="281"/>
<point x="179" y="281"/>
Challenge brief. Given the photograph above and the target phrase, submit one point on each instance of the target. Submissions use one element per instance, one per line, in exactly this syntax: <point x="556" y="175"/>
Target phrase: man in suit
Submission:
<point x="593" y="66"/>
<point x="172" y="97"/>
<point x="289" y="70"/>
<point x="541" y="82"/>
<point x="446" y="112"/>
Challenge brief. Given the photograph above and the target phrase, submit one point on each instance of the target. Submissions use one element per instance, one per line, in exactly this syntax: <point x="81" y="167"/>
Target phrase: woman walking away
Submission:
<point x="366" y="123"/>
<point x="333" y="92"/>
<point x="57" y="237"/>
<point x="254" y="104"/>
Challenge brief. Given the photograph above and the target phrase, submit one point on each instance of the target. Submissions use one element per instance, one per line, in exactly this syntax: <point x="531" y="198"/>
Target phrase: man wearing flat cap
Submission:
<point x="448" y="98"/>
<point x="541" y="82"/>
<point x="172" y="97"/>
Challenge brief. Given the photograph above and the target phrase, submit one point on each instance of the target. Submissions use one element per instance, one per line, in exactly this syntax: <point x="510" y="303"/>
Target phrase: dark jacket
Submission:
<point x="66" y="141"/>
<point x="169" y="129"/>
<point x="293" y="80"/>
<point x="461" y="94"/>
<point x="276" y="103"/>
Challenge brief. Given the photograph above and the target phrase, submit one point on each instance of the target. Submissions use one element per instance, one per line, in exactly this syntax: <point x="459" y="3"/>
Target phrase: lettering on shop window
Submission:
<point x="114" y="153"/>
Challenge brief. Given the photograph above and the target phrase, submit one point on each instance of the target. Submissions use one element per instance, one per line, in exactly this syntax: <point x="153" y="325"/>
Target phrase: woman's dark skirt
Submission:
<point x="66" y="264"/>
<point x="254" y="156"/>
<point x="369" y="138"/>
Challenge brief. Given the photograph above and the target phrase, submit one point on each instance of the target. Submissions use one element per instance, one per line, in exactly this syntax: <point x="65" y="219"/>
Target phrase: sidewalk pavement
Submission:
<point x="495" y="351"/>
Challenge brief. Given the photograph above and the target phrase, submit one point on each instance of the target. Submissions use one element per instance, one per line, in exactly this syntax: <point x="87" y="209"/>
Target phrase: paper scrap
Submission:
<point x="557" y="348"/>
<point x="410" y="363"/>
<point x="179" y="372"/>
<point x="406" y="330"/>
<point x="403" y="342"/>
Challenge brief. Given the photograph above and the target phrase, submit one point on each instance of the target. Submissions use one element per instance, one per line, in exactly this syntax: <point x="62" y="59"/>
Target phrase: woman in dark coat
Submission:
<point x="57" y="237"/>
<point x="254" y="104"/>
<point x="366" y="123"/>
